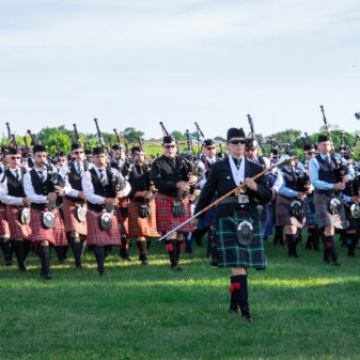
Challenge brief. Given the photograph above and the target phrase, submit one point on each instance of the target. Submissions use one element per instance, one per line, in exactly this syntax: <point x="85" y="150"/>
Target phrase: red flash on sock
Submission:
<point x="169" y="247"/>
<point x="328" y="244"/>
<point x="233" y="287"/>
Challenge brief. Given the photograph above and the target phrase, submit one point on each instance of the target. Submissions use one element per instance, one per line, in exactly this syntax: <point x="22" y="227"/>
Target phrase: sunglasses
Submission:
<point x="15" y="157"/>
<point x="78" y="152"/>
<point x="236" y="142"/>
<point x="169" y="146"/>
<point x="211" y="148"/>
<point x="311" y="152"/>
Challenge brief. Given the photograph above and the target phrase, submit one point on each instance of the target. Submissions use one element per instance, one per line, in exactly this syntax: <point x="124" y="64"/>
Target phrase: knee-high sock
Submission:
<point x="351" y="242"/>
<point x="171" y="249"/>
<point x="292" y="243"/>
<point x="240" y="291"/>
<point x="6" y="248"/>
<point x="77" y="248"/>
<point x="60" y="253"/>
<point x="310" y="239"/>
<point x="279" y="235"/>
<point x="44" y="253"/>
<point x="99" y="252"/>
<point x="330" y="249"/>
<point x="142" y="248"/>
<point x="20" y="254"/>
<point x="179" y="248"/>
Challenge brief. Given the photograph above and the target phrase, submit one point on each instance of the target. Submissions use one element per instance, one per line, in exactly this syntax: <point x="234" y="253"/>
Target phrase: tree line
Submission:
<point x="288" y="139"/>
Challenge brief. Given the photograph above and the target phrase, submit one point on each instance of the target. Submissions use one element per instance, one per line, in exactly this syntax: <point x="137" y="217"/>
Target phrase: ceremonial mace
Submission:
<point x="284" y="160"/>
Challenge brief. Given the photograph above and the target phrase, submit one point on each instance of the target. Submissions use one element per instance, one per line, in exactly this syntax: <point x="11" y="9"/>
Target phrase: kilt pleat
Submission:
<point x="56" y="235"/>
<point x="323" y="215"/>
<point x="164" y="218"/>
<point x="142" y="226"/>
<point x="4" y="225"/>
<point x="230" y="253"/>
<point x="283" y="213"/>
<point x="97" y="236"/>
<point x="72" y="224"/>
<point x="17" y="229"/>
<point x="310" y="215"/>
<point x="122" y="220"/>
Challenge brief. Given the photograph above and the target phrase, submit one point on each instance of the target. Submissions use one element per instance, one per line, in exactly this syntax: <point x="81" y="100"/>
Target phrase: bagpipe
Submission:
<point x="341" y="169"/>
<point x="117" y="182"/>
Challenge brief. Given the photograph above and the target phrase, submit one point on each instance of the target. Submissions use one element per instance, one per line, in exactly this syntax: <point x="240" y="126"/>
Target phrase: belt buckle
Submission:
<point x="243" y="199"/>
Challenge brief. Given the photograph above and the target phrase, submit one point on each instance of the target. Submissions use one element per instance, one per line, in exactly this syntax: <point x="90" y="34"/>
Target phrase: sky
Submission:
<point x="134" y="63"/>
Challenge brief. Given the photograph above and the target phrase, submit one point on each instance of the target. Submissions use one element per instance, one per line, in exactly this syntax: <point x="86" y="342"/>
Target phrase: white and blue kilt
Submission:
<point x="323" y="215"/>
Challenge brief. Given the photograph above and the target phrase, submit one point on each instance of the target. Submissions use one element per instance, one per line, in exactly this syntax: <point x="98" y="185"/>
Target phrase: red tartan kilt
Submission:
<point x="72" y="224"/>
<point x="283" y="213"/>
<point x="4" y="225"/>
<point x="164" y="218"/>
<point x="17" y="229"/>
<point x="56" y="235"/>
<point x="123" y="221"/>
<point x="142" y="226"/>
<point x="97" y="236"/>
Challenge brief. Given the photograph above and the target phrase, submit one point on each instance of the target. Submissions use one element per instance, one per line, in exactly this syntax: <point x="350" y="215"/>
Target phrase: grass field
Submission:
<point x="302" y="309"/>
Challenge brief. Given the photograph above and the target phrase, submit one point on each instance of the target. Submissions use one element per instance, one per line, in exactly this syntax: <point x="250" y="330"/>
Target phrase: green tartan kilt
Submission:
<point x="230" y="253"/>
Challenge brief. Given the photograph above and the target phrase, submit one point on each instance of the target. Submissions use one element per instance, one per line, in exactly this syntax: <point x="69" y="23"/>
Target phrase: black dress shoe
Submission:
<point x="78" y="267"/>
<point x="335" y="263"/>
<point x="9" y="263"/>
<point x="22" y="269"/>
<point x="102" y="273"/>
<point x="47" y="276"/>
<point x="176" y="268"/>
<point x="245" y="315"/>
<point x="326" y="261"/>
<point x="144" y="262"/>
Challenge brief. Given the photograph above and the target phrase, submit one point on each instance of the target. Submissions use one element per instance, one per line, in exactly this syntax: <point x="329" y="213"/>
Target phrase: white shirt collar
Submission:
<point x="238" y="174"/>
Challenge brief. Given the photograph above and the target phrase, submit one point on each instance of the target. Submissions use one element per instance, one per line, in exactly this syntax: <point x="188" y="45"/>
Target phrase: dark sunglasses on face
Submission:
<point x="78" y="152"/>
<point x="236" y="142"/>
<point x="169" y="146"/>
<point x="211" y="148"/>
<point x="311" y="153"/>
<point x="15" y="157"/>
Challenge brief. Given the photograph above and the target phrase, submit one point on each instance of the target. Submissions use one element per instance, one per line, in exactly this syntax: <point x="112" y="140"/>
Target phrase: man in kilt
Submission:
<point x="328" y="184"/>
<point x="279" y="230"/>
<point x="311" y="224"/>
<point x="206" y="224"/>
<point x="172" y="176"/>
<point x="102" y="225"/>
<point x="74" y="204"/>
<point x="5" y="241"/>
<point x="142" y="207"/>
<point x="238" y="227"/>
<point x="121" y="164"/>
<point x="352" y="211"/>
<point x="290" y="206"/>
<point x="46" y="224"/>
<point x="12" y="194"/>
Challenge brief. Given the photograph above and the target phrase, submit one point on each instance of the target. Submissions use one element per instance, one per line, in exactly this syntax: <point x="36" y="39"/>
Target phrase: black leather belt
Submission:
<point x="96" y="207"/>
<point x="230" y="200"/>
<point x="328" y="192"/>
<point x="74" y="200"/>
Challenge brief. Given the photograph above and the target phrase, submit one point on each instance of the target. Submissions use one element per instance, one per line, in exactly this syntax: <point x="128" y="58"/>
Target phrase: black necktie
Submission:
<point x="41" y="175"/>
<point x="102" y="178"/>
<point x="80" y="170"/>
<point x="17" y="175"/>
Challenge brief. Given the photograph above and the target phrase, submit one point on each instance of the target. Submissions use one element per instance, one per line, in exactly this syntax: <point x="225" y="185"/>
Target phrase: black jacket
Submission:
<point x="221" y="181"/>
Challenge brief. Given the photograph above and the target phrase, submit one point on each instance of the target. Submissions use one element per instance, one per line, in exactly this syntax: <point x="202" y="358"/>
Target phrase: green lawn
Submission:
<point x="302" y="309"/>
